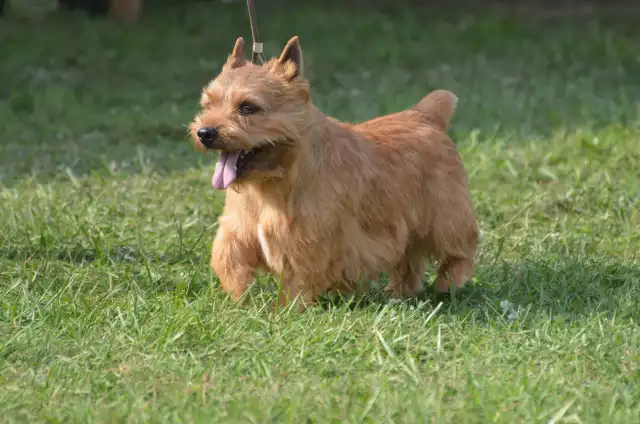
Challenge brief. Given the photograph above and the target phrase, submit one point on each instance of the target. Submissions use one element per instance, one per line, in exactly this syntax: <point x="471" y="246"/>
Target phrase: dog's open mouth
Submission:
<point x="232" y="165"/>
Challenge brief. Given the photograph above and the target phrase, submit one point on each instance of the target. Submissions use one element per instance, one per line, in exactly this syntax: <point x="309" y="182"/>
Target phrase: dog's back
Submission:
<point x="420" y="175"/>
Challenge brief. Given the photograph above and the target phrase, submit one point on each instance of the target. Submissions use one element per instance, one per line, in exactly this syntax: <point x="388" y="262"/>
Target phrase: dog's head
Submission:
<point x="254" y="115"/>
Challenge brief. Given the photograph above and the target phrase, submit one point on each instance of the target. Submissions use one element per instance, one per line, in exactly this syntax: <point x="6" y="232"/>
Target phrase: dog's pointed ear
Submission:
<point x="237" y="58"/>
<point x="291" y="59"/>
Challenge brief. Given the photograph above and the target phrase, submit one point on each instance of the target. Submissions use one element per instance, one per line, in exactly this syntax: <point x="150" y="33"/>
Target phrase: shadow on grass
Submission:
<point x="554" y="287"/>
<point x="539" y="286"/>
<point x="79" y="256"/>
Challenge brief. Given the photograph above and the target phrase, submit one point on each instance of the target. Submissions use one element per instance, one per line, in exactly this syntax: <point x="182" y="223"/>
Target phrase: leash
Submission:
<point x="257" y="45"/>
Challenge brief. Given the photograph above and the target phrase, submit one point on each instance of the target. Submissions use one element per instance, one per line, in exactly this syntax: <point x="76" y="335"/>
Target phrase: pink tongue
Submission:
<point x="225" y="172"/>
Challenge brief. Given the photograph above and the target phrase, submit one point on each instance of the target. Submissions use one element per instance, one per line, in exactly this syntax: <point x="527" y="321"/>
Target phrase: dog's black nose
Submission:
<point x="207" y="136"/>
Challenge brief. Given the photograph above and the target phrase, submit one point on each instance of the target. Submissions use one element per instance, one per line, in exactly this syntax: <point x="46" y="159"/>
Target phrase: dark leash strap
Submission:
<point x="257" y="45"/>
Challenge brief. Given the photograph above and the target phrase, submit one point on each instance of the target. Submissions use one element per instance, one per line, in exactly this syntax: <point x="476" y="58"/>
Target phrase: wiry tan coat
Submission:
<point x="337" y="202"/>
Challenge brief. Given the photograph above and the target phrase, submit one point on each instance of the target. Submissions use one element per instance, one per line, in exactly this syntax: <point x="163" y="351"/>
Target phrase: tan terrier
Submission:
<point x="324" y="204"/>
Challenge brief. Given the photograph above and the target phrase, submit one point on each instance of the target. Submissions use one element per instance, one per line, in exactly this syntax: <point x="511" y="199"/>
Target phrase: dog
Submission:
<point x="324" y="204"/>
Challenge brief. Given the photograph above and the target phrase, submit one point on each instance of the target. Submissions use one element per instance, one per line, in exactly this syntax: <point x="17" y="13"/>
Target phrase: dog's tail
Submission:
<point x="438" y="107"/>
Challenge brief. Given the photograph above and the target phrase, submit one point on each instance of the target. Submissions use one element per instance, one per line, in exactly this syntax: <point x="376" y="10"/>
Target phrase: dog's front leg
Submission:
<point x="302" y="289"/>
<point x="234" y="259"/>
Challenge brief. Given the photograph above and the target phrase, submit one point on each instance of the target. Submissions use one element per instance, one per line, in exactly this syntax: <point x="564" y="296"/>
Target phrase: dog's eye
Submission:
<point x="247" y="108"/>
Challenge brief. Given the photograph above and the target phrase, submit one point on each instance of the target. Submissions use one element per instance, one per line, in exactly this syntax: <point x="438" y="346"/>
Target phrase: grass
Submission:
<point x="109" y="312"/>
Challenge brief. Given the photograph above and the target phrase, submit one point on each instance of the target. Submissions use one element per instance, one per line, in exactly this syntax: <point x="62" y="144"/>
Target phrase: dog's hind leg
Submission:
<point x="453" y="272"/>
<point x="457" y="239"/>
<point x="406" y="278"/>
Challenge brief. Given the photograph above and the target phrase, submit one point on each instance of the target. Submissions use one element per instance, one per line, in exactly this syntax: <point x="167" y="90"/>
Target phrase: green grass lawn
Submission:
<point x="109" y="311"/>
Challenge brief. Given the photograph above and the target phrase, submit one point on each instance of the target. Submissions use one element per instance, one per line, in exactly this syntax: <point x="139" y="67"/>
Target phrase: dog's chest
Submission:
<point x="264" y="244"/>
<point x="272" y="233"/>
